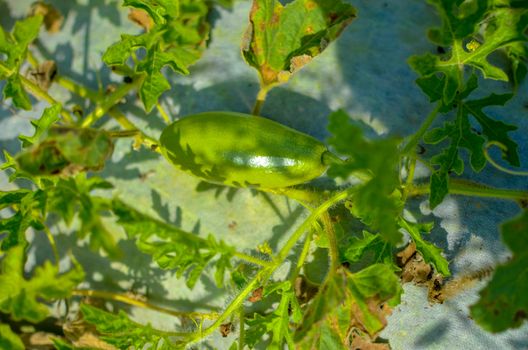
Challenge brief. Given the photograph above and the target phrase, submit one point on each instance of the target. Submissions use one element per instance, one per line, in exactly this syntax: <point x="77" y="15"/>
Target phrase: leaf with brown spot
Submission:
<point x="256" y="295"/>
<point x="280" y="40"/>
<point x="141" y="18"/>
<point x="53" y="19"/>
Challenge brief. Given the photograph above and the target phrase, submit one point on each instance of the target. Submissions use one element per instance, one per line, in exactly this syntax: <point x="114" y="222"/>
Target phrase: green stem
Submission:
<point x="498" y="166"/>
<point x="261" y="98"/>
<point x="253" y="260"/>
<point x="332" y="244"/>
<point x="92" y="95"/>
<point x="79" y="90"/>
<point x="110" y="101"/>
<point x="132" y="301"/>
<point x="241" y="334"/>
<point x="123" y="133"/>
<point x="410" y="179"/>
<point x="51" y="240"/>
<point x="415" y="139"/>
<point x="468" y="188"/>
<point x="163" y="113"/>
<point x="304" y="254"/>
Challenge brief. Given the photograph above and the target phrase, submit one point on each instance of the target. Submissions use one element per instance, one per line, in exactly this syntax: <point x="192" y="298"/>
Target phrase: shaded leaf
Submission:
<point x="350" y="301"/>
<point x="377" y="201"/>
<point x="13" y="89"/>
<point x="370" y="248"/>
<point x="503" y="302"/>
<point x="462" y="135"/>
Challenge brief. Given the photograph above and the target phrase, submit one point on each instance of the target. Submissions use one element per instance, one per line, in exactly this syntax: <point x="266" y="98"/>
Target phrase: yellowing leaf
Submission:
<point x="280" y="40"/>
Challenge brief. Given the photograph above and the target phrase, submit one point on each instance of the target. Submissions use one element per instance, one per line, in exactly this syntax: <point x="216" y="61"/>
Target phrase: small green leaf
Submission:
<point x="429" y="251"/>
<point x="22" y="298"/>
<point x="118" y="53"/>
<point x="29" y="213"/>
<point x="378" y="281"/>
<point x="49" y="117"/>
<point x="371" y="247"/>
<point x="278" y="322"/>
<point x="27" y="30"/>
<point x="348" y="300"/>
<point x="155" y="83"/>
<point x="280" y="40"/>
<point x="9" y="340"/>
<point x="503" y="302"/>
<point x="13" y="89"/>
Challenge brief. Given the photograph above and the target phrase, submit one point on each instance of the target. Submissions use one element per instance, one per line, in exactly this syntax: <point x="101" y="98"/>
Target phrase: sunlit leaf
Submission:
<point x="22" y="298"/>
<point x="280" y="40"/>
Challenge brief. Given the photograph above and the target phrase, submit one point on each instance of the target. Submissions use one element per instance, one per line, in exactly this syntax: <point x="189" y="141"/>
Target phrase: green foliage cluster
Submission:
<point x="362" y="282"/>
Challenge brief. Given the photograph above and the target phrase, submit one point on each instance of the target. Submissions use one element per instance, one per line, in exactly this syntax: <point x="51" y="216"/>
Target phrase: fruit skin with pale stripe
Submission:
<point x="243" y="150"/>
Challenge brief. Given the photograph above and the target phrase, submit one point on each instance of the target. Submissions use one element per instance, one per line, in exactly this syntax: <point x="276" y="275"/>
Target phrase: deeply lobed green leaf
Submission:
<point x="21" y="298"/>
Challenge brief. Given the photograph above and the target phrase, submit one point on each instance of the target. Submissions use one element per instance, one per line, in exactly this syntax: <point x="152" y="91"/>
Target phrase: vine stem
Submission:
<point x="468" y="188"/>
<point x="265" y="274"/>
<point x="241" y="335"/>
<point x="131" y="301"/>
<point x="304" y="254"/>
<point x="51" y="240"/>
<point x="110" y="101"/>
<point x="253" y="260"/>
<point x="332" y="243"/>
<point x="416" y="137"/>
<point x="93" y="96"/>
<point x="498" y="166"/>
<point x="261" y="98"/>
